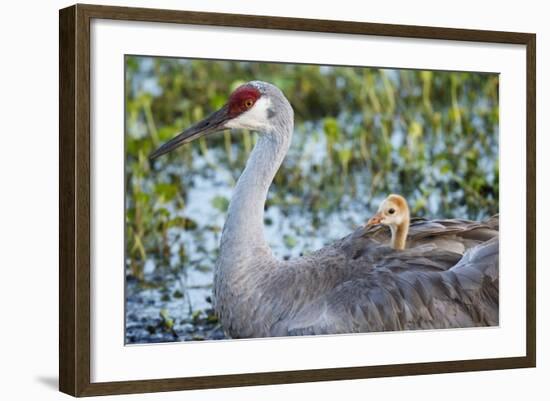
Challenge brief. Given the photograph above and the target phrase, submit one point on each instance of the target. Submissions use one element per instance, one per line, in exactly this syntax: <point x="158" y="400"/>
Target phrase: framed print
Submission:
<point x="250" y="200"/>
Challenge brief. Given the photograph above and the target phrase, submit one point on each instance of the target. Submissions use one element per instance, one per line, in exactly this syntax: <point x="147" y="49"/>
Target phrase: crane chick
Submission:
<point x="394" y="212"/>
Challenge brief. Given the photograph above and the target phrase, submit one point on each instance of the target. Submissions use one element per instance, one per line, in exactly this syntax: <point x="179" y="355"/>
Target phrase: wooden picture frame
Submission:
<point x="75" y="206"/>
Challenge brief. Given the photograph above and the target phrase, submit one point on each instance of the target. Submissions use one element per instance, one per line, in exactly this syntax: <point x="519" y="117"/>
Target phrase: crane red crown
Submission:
<point x="242" y="99"/>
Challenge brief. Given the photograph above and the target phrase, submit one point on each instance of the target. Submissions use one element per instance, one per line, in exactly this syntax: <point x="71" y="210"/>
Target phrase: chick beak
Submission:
<point x="376" y="219"/>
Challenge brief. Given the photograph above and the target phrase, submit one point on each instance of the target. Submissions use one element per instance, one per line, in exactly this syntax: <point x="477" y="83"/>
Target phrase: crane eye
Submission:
<point x="391" y="210"/>
<point x="248" y="103"/>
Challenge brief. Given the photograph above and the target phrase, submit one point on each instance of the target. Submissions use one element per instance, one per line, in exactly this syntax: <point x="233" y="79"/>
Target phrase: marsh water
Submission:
<point x="360" y="134"/>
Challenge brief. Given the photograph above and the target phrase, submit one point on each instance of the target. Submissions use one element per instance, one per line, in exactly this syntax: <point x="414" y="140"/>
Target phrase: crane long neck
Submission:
<point x="243" y="233"/>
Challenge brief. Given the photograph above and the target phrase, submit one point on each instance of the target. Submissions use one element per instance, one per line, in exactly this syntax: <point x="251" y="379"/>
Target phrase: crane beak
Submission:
<point x="376" y="219"/>
<point x="213" y="123"/>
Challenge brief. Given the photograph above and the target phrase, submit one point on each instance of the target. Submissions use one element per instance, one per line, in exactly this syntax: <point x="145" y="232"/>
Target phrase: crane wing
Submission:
<point x="359" y="284"/>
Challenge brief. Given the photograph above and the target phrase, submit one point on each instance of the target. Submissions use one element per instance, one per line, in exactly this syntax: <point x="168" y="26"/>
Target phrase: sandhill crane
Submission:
<point x="447" y="277"/>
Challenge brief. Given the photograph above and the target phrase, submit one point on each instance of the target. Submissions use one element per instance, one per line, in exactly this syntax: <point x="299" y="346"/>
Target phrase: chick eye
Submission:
<point x="248" y="103"/>
<point x="391" y="210"/>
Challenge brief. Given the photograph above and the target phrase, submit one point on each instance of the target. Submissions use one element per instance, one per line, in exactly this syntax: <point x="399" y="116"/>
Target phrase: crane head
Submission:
<point x="247" y="107"/>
